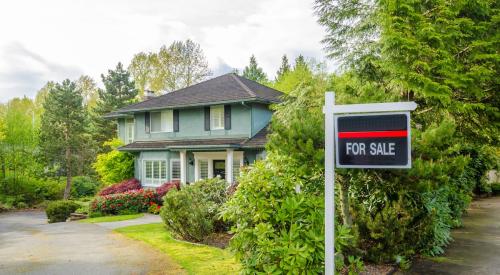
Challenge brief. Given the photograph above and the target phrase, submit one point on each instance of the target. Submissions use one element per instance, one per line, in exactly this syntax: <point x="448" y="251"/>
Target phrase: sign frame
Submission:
<point x="408" y="137"/>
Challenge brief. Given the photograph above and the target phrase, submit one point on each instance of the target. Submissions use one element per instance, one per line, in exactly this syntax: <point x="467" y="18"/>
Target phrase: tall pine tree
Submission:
<point x="63" y="126"/>
<point x="254" y="72"/>
<point x="284" y="68"/>
<point x="119" y="90"/>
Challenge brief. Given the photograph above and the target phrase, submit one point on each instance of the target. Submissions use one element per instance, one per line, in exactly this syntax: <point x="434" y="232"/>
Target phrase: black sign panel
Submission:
<point x="373" y="141"/>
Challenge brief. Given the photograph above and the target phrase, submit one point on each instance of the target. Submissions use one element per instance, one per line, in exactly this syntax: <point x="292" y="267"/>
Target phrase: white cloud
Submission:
<point x="58" y="39"/>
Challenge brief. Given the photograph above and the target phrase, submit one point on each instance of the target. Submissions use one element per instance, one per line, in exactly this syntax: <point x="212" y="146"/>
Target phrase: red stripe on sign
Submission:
<point x="374" y="134"/>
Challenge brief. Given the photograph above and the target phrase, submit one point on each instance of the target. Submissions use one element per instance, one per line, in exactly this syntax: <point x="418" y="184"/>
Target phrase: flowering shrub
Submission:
<point x="124" y="186"/>
<point x="129" y="201"/>
<point x="167" y="186"/>
<point x="154" y="208"/>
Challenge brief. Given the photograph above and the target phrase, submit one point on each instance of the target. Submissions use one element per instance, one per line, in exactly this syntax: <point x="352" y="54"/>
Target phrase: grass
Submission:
<point x="194" y="258"/>
<point x="112" y="218"/>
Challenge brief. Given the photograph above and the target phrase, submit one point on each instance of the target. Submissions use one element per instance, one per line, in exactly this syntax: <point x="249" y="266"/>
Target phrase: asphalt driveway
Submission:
<point x="28" y="245"/>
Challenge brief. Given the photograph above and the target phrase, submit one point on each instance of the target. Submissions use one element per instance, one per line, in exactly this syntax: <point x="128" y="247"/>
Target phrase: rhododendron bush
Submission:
<point x="121" y="187"/>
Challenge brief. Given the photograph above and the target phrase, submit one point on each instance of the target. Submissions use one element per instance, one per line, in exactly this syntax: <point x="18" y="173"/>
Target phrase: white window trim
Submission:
<point x="213" y="109"/>
<point x="160" y="180"/>
<point x="127" y="123"/>
<point x="171" y="170"/>
<point x="169" y="128"/>
<point x="210" y="157"/>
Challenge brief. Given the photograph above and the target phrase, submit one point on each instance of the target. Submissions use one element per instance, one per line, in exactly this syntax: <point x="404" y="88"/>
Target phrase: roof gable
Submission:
<point x="224" y="88"/>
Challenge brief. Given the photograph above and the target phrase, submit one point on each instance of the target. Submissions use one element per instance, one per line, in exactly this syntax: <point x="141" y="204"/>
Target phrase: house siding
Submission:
<point x="261" y="115"/>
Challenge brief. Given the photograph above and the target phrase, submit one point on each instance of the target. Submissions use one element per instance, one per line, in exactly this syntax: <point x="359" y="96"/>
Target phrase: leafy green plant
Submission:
<point x="193" y="212"/>
<point x="114" y="166"/>
<point x="59" y="211"/>
<point x="83" y="187"/>
<point x="355" y="266"/>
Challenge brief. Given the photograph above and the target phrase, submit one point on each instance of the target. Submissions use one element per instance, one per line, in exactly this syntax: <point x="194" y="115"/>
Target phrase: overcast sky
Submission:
<point x="58" y="39"/>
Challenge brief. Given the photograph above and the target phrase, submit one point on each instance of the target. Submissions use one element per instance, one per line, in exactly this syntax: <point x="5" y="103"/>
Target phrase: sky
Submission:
<point x="52" y="40"/>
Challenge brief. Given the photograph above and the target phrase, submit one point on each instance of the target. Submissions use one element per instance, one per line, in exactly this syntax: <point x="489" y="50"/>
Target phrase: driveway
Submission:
<point x="28" y="245"/>
<point x="476" y="246"/>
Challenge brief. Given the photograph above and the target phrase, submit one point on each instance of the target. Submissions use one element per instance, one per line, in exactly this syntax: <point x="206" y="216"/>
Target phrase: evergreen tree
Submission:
<point x="284" y="68"/>
<point x="300" y="62"/>
<point x="254" y="72"/>
<point x="119" y="90"/>
<point x="63" y="125"/>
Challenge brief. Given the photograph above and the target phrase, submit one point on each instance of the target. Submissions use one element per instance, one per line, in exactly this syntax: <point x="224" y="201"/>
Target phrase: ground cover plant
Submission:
<point x="194" y="258"/>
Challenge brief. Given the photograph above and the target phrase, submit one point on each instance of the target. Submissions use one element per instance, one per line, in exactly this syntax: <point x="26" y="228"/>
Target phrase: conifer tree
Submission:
<point x="63" y="125"/>
<point x="284" y="68"/>
<point x="300" y="62"/>
<point x="119" y="90"/>
<point x="254" y="72"/>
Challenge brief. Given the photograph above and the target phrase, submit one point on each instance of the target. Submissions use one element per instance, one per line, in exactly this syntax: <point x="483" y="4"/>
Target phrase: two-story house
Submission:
<point x="209" y="129"/>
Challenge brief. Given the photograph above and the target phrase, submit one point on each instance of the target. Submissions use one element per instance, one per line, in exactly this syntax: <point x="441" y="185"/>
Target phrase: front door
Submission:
<point x="220" y="169"/>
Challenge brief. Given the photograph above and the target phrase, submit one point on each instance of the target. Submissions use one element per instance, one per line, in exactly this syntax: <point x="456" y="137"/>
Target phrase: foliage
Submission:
<point x="121" y="187"/>
<point x="83" y="187"/>
<point x="114" y="166"/>
<point x="59" y="211"/>
<point x="119" y="90"/>
<point x="112" y="218"/>
<point x="254" y="72"/>
<point x="63" y="129"/>
<point x="193" y="212"/>
<point x="177" y="66"/>
<point x="284" y="68"/>
<point x="194" y="258"/>
<point x="154" y="208"/>
<point x="164" y="188"/>
<point x="133" y="201"/>
<point x="29" y="191"/>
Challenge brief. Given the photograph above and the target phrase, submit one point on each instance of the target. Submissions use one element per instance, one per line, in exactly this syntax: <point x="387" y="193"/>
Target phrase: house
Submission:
<point x="210" y="129"/>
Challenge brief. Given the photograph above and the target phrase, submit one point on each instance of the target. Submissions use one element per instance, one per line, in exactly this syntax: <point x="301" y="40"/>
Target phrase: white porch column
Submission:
<point x="229" y="165"/>
<point x="196" y="169"/>
<point x="210" y="168"/>
<point x="183" y="166"/>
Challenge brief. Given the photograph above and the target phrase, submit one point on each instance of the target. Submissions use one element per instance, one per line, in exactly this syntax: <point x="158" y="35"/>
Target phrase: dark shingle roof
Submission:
<point x="258" y="142"/>
<point x="225" y="88"/>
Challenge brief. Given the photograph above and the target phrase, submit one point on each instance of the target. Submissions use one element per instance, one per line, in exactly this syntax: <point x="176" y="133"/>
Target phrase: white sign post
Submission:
<point x="330" y="109"/>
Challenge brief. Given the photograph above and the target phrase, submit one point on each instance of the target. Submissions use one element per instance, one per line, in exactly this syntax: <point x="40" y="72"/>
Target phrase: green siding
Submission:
<point x="121" y="129"/>
<point x="261" y="115"/>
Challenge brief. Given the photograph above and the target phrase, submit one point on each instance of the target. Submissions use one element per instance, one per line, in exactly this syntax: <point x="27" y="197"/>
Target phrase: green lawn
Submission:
<point x="195" y="258"/>
<point x="112" y="218"/>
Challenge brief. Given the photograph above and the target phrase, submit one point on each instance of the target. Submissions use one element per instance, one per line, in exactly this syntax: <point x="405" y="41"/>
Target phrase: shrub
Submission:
<point x="114" y="166"/>
<point x="134" y="201"/>
<point x="164" y="188"/>
<point x="122" y="187"/>
<point x="83" y="187"/>
<point x="25" y="191"/>
<point x="193" y="212"/>
<point x="59" y="211"/>
<point x="154" y="208"/>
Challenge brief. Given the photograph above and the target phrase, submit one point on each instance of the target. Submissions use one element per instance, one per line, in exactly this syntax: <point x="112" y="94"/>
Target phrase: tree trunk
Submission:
<point x="67" y="190"/>
<point x="344" y="200"/>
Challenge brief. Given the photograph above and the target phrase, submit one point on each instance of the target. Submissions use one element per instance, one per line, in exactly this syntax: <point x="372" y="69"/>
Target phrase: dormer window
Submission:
<point x="217" y="117"/>
<point x="162" y="121"/>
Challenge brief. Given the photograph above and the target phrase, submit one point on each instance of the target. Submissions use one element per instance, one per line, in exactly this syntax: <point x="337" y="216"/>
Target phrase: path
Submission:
<point x="28" y="245"/>
<point x="476" y="246"/>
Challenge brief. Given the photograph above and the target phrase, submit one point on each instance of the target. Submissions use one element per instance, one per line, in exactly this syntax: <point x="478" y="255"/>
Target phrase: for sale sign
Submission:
<point x="373" y="140"/>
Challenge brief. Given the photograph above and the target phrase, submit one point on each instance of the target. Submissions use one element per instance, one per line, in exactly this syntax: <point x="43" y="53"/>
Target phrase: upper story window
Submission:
<point x="129" y="130"/>
<point x="162" y="121"/>
<point x="217" y="117"/>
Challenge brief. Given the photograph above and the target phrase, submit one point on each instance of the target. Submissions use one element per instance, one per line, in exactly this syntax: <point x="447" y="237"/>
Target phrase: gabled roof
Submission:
<point x="222" y="89"/>
<point x="256" y="142"/>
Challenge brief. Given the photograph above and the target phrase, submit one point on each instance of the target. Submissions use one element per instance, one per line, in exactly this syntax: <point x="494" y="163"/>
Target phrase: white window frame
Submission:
<point x="166" y="121"/>
<point x="129" y="139"/>
<point x="172" y="170"/>
<point x="217" y="111"/>
<point x="153" y="181"/>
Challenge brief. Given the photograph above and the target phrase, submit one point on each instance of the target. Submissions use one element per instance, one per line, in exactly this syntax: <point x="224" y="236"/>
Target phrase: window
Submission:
<point x="155" y="172"/>
<point x="217" y="117"/>
<point x="129" y="130"/>
<point x="236" y="169"/>
<point x="175" y="169"/>
<point x="203" y="168"/>
<point x="162" y="121"/>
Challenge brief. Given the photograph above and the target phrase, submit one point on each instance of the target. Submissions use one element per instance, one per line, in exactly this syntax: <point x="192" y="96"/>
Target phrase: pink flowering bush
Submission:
<point x="167" y="186"/>
<point x="129" y="201"/>
<point x="121" y="187"/>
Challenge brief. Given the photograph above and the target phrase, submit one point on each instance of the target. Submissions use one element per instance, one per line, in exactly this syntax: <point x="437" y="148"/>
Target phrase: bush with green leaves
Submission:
<point x="59" y="211"/>
<point x="192" y="213"/>
<point x="27" y="191"/>
<point x="83" y="186"/>
<point x="114" y="166"/>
